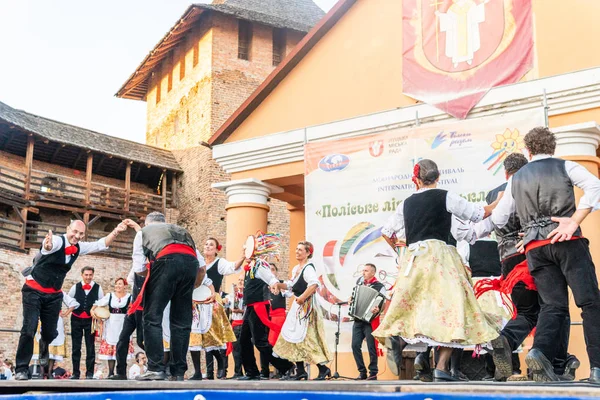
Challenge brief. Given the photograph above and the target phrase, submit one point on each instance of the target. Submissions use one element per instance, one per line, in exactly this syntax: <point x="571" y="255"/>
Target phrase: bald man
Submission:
<point x="42" y="291"/>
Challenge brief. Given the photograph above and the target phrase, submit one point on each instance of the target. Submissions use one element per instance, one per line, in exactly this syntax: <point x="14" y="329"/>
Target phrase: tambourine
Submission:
<point x="102" y="313"/>
<point x="201" y="294"/>
<point x="250" y="247"/>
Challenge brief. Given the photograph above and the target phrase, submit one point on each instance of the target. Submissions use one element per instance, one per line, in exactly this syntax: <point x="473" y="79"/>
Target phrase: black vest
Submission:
<point x="373" y="285"/>
<point x="157" y="236"/>
<point x="300" y="286"/>
<point x="277" y="300"/>
<point x="214" y="275"/>
<point x="425" y="216"/>
<point x="118" y="310"/>
<point x="51" y="269"/>
<point x="254" y="290"/>
<point x="508" y="235"/>
<point x="85" y="301"/>
<point x="484" y="259"/>
<point x="542" y="189"/>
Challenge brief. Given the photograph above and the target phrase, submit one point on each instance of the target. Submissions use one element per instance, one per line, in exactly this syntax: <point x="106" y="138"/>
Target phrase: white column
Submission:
<point x="249" y="190"/>
<point x="577" y="140"/>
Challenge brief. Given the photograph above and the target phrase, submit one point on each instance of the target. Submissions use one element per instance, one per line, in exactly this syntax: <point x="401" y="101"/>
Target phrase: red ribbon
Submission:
<point x="416" y="171"/>
<point x="87" y="287"/>
<point x="70" y="250"/>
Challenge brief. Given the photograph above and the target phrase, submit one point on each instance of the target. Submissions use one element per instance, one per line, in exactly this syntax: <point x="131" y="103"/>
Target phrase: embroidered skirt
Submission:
<point x="217" y="337"/>
<point x="433" y="301"/>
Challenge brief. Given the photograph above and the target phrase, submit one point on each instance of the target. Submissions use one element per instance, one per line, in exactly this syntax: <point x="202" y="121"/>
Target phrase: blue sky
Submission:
<point x="65" y="59"/>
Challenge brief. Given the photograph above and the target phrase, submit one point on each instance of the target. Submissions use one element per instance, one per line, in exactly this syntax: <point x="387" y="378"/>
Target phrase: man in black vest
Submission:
<point x="86" y="293"/>
<point x="133" y="322"/>
<point x="42" y="294"/>
<point x="558" y="256"/>
<point x="173" y="274"/>
<point x="237" y="315"/>
<point x="362" y="330"/>
<point x="254" y="331"/>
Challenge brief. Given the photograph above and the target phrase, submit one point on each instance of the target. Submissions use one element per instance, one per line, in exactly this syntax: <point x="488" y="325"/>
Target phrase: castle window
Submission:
<point x="195" y="55"/>
<point x="182" y="65"/>
<point x="278" y="46"/>
<point x="244" y="39"/>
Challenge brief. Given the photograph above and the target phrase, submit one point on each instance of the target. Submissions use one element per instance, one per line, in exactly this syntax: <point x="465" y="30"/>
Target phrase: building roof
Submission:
<point x="89" y="140"/>
<point x="290" y="62"/>
<point x="300" y="15"/>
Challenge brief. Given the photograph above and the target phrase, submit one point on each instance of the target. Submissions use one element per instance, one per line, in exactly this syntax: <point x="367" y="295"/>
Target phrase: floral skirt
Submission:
<point x="217" y="337"/>
<point x="491" y="304"/>
<point x="313" y="349"/>
<point x="109" y="351"/>
<point x="435" y="303"/>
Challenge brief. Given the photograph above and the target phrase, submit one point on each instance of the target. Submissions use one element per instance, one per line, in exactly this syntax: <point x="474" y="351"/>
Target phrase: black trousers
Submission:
<point x="37" y="306"/>
<point x="555" y="268"/>
<point x="171" y="279"/>
<point x="253" y="330"/>
<point x="81" y="328"/>
<point x="132" y="323"/>
<point x="360" y="331"/>
<point x="526" y="303"/>
<point x="237" y="351"/>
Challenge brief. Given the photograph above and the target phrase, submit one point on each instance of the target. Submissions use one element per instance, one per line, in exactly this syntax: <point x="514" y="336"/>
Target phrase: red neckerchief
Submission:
<point x="371" y="281"/>
<point x="70" y="250"/>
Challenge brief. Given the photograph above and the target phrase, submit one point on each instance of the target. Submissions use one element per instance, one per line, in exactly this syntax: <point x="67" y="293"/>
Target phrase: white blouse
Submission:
<point x="224" y="267"/>
<point x="310" y="276"/>
<point x="455" y="204"/>
<point x="115" y="302"/>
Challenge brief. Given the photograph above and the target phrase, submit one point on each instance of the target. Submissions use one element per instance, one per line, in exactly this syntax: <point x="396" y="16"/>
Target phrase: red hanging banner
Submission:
<point x="454" y="51"/>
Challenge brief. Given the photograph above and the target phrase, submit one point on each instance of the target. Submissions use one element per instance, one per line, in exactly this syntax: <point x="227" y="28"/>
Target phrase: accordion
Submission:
<point x="364" y="299"/>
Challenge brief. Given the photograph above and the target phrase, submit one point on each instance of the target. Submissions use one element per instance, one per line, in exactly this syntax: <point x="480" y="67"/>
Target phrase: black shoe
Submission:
<point x="443" y="376"/>
<point x="595" y="376"/>
<point x="488" y="378"/>
<point x="74" y="377"/>
<point x="196" y="377"/>
<point x="423" y="368"/>
<point x="459" y="375"/>
<point x="179" y="378"/>
<point x="541" y="367"/>
<point x="323" y="375"/>
<point x="152" y="376"/>
<point x="221" y="374"/>
<point x="264" y="377"/>
<point x="502" y="356"/>
<point x="361" y="377"/>
<point x="22" y="376"/>
<point x="299" y="377"/>
<point x="249" y="378"/>
<point x="570" y="367"/>
<point x="372" y="377"/>
<point x="88" y="376"/>
<point x="117" y="377"/>
<point x="235" y="376"/>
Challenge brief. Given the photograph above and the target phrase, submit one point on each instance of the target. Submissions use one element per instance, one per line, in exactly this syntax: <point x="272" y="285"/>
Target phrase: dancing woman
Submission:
<point x="433" y="300"/>
<point x="302" y="337"/>
<point x="220" y="332"/>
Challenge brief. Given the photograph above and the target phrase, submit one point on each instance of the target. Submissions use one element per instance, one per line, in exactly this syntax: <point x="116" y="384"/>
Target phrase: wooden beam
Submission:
<point x="81" y="153"/>
<point x="164" y="192"/>
<point x="29" y="164"/>
<point x="18" y="212"/>
<point x="76" y="214"/>
<point x="55" y="154"/>
<point x="88" y="177"/>
<point x="63" y="207"/>
<point x="23" y="216"/>
<point x="86" y="221"/>
<point x="96" y="218"/>
<point x="174" y="190"/>
<point x="127" y="185"/>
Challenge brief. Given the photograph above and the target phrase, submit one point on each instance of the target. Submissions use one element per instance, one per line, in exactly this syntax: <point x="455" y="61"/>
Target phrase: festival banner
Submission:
<point x="353" y="185"/>
<point x="454" y="51"/>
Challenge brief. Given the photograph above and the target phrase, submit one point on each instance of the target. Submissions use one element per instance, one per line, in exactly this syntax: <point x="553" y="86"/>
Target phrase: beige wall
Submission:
<point x="356" y="68"/>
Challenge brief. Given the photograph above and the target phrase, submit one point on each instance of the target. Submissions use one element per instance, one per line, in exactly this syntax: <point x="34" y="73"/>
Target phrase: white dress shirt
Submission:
<point x="139" y="258"/>
<point x="224" y="267"/>
<point x="579" y="176"/>
<point x="455" y="204"/>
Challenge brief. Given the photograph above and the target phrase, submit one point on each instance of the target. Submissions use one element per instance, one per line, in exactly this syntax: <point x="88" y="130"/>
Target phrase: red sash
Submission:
<point x="534" y="244"/>
<point x="83" y="315"/>
<point x="277" y="318"/>
<point x="34" y="285"/>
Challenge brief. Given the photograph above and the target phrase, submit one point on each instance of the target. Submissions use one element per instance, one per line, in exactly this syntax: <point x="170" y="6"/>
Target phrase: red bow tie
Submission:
<point x="87" y="287"/>
<point x="239" y="295"/>
<point x="70" y="250"/>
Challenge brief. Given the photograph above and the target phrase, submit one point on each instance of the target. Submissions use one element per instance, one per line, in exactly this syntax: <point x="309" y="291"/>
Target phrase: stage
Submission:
<point x="254" y="390"/>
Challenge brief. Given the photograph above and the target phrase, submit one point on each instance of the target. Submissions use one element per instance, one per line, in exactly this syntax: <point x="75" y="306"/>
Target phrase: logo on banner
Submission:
<point x="376" y="148"/>
<point x="507" y="143"/>
<point x="456" y="50"/>
<point x="437" y="140"/>
<point x="334" y="162"/>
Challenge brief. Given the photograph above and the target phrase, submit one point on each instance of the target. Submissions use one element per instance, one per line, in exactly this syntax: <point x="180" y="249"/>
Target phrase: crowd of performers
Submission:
<point x="444" y="295"/>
